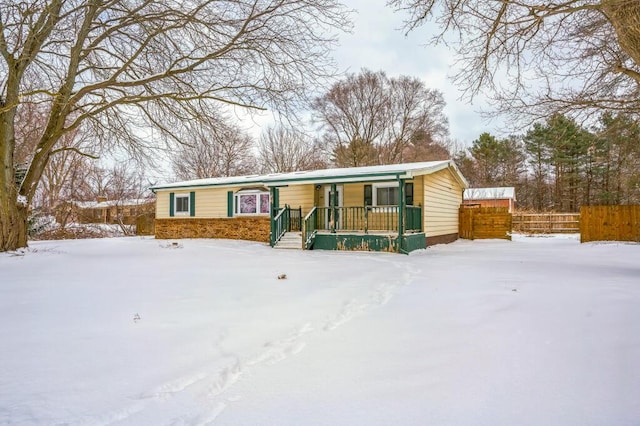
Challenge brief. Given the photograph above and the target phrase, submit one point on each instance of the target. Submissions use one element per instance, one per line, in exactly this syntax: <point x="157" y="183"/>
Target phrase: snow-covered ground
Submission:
<point x="135" y="331"/>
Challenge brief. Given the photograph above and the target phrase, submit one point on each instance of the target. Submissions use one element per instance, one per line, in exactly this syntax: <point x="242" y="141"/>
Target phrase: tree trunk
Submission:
<point x="624" y="15"/>
<point x="13" y="226"/>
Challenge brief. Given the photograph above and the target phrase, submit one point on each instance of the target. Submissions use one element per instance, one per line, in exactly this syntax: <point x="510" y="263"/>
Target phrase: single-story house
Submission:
<point x="491" y="197"/>
<point x="400" y="207"/>
<point x="102" y="210"/>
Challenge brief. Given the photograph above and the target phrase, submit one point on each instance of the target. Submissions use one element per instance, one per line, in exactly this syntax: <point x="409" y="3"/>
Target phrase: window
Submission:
<point x="385" y="194"/>
<point x="182" y="204"/>
<point x="252" y="202"/>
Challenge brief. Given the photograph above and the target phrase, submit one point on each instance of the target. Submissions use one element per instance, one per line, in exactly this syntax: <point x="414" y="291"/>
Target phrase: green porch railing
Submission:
<point x="309" y="228"/>
<point x="369" y="218"/>
<point x="413" y="219"/>
<point x="280" y="225"/>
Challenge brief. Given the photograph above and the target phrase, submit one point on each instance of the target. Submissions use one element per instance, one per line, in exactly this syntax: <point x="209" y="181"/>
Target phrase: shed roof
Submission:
<point x="112" y="203"/>
<point x="500" y="193"/>
<point x="341" y="175"/>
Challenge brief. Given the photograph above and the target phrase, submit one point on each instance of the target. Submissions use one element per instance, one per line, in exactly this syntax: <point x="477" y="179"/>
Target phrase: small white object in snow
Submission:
<point x="22" y="200"/>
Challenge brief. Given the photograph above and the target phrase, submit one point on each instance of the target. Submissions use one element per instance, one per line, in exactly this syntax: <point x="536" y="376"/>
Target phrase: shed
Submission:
<point x="491" y="197"/>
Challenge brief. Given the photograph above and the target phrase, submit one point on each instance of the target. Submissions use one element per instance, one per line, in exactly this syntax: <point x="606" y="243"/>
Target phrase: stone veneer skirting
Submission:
<point x="234" y="228"/>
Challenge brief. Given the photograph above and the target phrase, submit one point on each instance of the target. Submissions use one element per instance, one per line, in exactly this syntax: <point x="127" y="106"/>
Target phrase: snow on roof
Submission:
<point x="111" y="203"/>
<point x="405" y="170"/>
<point x="490" y="193"/>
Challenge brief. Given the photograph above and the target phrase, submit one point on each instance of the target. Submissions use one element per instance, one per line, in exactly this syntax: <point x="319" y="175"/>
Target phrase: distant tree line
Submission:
<point x="363" y="119"/>
<point x="559" y="165"/>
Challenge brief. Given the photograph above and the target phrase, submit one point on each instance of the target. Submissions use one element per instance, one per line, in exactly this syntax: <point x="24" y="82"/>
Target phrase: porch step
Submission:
<point x="290" y="240"/>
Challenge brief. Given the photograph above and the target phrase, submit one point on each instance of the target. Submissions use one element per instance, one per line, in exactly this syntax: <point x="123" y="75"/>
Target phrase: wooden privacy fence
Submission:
<point x="610" y="223"/>
<point x="485" y="222"/>
<point x="546" y="222"/>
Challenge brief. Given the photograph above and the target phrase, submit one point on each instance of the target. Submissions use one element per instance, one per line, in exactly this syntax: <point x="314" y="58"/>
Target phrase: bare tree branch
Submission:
<point x="535" y="58"/>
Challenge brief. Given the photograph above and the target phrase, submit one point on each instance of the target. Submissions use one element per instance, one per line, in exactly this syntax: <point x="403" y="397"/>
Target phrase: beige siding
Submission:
<point x="210" y="202"/>
<point x="442" y="199"/>
<point x="298" y="196"/>
<point x="162" y="204"/>
<point x="354" y="195"/>
<point x="418" y="191"/>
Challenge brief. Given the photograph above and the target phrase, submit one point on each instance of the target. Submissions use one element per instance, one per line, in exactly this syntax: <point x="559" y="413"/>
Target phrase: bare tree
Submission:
<point x="370" y="118"/>
<point x="117" y="66"/>
<point x="536" y="58"/>
<point x="284" y="150"/>
<point x="213" y="147"/>
<point x="64" y="179"/>
<point x="125" y="185"/>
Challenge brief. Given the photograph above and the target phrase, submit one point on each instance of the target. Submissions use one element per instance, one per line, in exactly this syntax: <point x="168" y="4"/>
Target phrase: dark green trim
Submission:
<point x="368" y="195"/>
<point x="408" y="193"/>
<point x="333" y="203"/>
<point x="369" y="242"/>
<point x="401" y="206"/>
<point x="274" y="195"/>
<point x="411" y="242"/>
<point x="229" y="203"/>
<point x="276" y="198"/>
<point x="283" y="182"/>
<point x="192" y="203"/>
<point x="172" y="203"/>
<point x="339" y="179"/>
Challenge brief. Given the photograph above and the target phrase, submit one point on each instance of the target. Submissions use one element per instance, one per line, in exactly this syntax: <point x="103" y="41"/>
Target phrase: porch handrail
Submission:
<point x="309" y="228"/>
<point x="413" y="218"/>
<point x="281" y="223"/>
<point x="369" y="218"/>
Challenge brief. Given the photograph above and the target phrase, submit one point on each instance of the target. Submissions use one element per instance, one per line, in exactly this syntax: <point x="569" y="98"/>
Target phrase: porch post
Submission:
<point x="273" y="211"/>
<point x="401" y="203"/>
<point x="333" y="202"/>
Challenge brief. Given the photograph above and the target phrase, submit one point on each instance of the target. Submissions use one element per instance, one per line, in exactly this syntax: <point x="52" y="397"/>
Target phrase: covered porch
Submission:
<point x="385" y="220"/>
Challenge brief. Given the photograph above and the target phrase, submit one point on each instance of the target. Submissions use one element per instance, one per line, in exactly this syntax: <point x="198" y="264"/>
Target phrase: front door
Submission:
<point x="327" y="203"/>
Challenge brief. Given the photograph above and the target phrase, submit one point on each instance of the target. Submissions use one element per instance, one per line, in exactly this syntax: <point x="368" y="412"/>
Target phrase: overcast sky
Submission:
<point x="378" y="43"/>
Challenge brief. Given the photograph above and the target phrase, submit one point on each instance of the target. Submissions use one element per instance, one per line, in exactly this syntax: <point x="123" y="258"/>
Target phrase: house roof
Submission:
<point x="500" y="193"/>
<point x="342" y="175"/>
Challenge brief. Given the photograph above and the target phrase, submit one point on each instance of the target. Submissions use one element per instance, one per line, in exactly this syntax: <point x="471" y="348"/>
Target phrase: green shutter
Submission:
<point x="229" y="203"/>
<point x="192" y="203"/>
<point x="172" y="198"/>
<point x="368" y="195"/>
<point x="408" y="190"/>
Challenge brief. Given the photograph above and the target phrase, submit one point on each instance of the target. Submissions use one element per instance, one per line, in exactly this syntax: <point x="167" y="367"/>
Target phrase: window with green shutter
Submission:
<point x="408" y="193"/>
<point x="229" y="203"/>
<point x="182" y="204"/>
<point x="368" y="195"/>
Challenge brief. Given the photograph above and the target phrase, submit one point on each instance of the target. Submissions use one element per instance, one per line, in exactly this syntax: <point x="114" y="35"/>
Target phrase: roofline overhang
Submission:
<point x="346" y="178"/>
<point x="340" y="179"/>
<point x="295" y="181"/>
